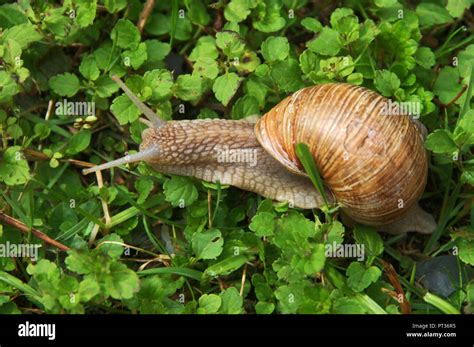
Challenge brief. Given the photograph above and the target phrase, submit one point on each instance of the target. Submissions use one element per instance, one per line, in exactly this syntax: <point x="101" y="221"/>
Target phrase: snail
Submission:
<point x="373" y="165"/>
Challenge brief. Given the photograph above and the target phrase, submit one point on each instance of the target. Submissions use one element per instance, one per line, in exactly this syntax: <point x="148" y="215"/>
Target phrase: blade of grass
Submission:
<point x="50" y="123"/>
<point x="306" y="159"/>
<point x="440" y="304"/>
<point x="174" y="20"/>
<point x="194" y="274"/>
<point x="219" y="194"/>
<point x="20" y="285"/>
<point x="15" y="207"/>
<point x="153" y="238"/>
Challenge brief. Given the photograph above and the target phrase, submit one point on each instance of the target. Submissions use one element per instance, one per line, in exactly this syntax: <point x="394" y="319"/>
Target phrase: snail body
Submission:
<point x="374" y="165"/>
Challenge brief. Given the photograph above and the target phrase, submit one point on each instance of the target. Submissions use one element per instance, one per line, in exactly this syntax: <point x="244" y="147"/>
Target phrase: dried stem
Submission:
<point x="147" y="9"/>
<point x="24" y="228"/>
<point x="393" y="278"/>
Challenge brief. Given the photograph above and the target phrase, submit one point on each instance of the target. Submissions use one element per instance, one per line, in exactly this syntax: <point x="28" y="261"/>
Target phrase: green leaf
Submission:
<point x="447" y="85"/>
<point x="238" y="10"/>
<point x="204" y="48"/>
<point x="124" y="109"/>
<point x="226" y="86"/>
<point x="135" y="57"/>
<point x="327" y="43"/>
<point x="230" y="43"/>
<point x="287" y="75"/>
<point x="125" y="34"/>
<point x="432" y="14"/>
<point x="188" y="87"/>
<point x="372" y="241"/>
<point x="24" y="34"/>
<point x="79" y="142"/>
<point x="115" y="5"/>
<point x="263" y="224"/>
<point x="8" y="87"/>
<point x="157" y="50"/>
<point x="144" y="186"/>
<point x="209" y="303"/>
<point x="312" y="24"/>
<point x="386" y="82"/>
<point x="85" y="12"/>
<point x="160" y="82"/>
<point x="440" y="141"/>
<point x="11" y="15"/>
<point x="14" y="168"/>
<point x="66" y="84"/>
<point x="231" y="301"/>
<point x="263" y="307"/>
<point x="207" y="244"/>
<point x="335" y="233"/>
<point x="464" y="131"/>
<point x="465" y="250"/>
<point x="359" y="277"/>
<point x="105" y="86"/>
<point x="226" y="266"/>
<point x="425" y="57"/>
<point x="206" y="67"/>
<point x="269" y="18"/>
<point x="197" y="12"/>
<point x="12" y="52"/>
<point x="245" y="106"/>
<point x="180" y="191"/>
<point x="316" y="261"/>
<point x="456" y="8"/>
<point x="385" y="3"/>
<point x="88" y="289"/>
<point x="346" y="305"/>
<point x="88" y="68"/>
<point x="275" y="48"/>
<point x="108" y="246"/>
<point x="121" y="282"/>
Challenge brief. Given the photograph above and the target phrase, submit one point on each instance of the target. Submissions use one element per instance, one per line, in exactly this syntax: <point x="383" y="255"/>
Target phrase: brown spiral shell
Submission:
<point x="375" y="164"/>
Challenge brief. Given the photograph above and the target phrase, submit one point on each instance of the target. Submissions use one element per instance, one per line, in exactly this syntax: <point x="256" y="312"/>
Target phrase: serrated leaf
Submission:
<point x="188" y="87"/>
<point x="275" y="48"/>
<point x="466" y="251"/>
<point x="359" y="277"/>
<point x="14" y="168"/>
<point x="180" y="191"/>
<point x="207" y="244"/>
<point x="386" y="82"/>
<point x="231" y="301"/>
<point x="79" y="142"/>
<point x="124" y="109"/>
<point x="327" y="43"/>
<point x="88" y="68"/>
<point x="125" y="34"/>
<point x="226" y="86"/>
<point x="440" y="141"/>
<point x="66" y="84"/>
<point x="209" y="303"/>
<point x="372" y="241"/>
<point x="432" y="14"/>
<point x="263" y="224"/>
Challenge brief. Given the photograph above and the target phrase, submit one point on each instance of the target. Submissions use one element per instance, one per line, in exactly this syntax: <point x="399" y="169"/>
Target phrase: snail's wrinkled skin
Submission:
<point x="374" y="166"/>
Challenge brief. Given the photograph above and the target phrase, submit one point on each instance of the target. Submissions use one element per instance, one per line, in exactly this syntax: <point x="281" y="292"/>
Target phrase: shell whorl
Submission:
<point x="374" y="164"/>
